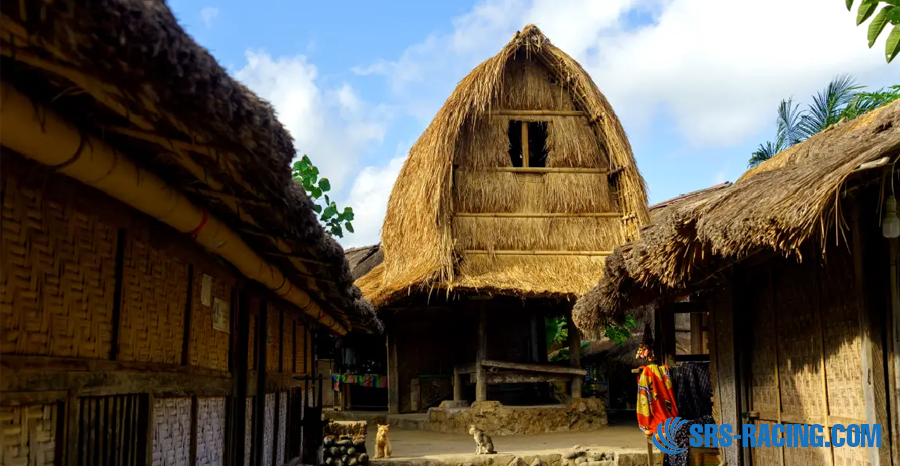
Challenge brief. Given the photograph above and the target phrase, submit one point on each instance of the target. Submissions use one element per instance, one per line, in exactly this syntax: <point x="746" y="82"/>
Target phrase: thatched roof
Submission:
<point x="441" y="231"/>
<point x="778" y="206"/>
<point x="153" y="93"/>
<point x="363" y="259"/>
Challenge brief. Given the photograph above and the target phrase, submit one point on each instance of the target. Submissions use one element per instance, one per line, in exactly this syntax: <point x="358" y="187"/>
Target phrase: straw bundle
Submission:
<point x="782" y="205"/>
<point x="452" y="169"/>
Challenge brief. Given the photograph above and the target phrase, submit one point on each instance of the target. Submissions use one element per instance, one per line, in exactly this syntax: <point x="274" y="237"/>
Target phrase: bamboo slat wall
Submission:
<point x="171" y="438"/>
<point x="210" y="431"/>
<point x="209" y="347"/>
<point x="273" y="345"/>
<point x="269" y="429"/>
<point x="248" y="430"/>
<point x="282" y="427"/>
<point x="29" y="435"/>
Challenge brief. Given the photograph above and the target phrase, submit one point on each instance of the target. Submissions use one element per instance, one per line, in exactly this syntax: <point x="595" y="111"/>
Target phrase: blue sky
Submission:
<point x="695" y="82"/>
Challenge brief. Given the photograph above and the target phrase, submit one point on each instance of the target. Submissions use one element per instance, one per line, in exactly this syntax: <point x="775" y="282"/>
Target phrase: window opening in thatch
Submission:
<point x="528" y="138"/>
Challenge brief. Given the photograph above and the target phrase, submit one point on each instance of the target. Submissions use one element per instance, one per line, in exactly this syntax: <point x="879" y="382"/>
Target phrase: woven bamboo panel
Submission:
<point x="209" y="347"/>
<point x="28" y="436"/>
<point x="251" y="361"/>
<point x="269" y="429"/>
<point x="248" y="430"/>
<point x="853" y="456"/>
<point x="809" y="456"/>
<point x="282" y="427"/>
<point x="154" y="296"/>
<point x="287" y="356"/>
<point x="842" y="345"/>
<point x="800" y="349"/>
<point x="273" y="345"/>
<point x="304" y="350"/>
<point x="763" y="359"/>
<point x="57" y="277"/>
<point x="210" y="431"/>
<point x="769" y="456"/>
<point x="172" y="432"/>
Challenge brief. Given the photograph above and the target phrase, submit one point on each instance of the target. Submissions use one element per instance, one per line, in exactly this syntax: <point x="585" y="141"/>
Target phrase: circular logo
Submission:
<point x="665" y="435"/>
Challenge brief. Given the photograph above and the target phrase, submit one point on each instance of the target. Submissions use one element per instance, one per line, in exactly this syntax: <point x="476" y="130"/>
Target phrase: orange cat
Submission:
<point x="382" y="442"/>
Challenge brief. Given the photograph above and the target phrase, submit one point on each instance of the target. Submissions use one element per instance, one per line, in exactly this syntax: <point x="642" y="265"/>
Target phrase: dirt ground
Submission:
<point x="419" y="443"/>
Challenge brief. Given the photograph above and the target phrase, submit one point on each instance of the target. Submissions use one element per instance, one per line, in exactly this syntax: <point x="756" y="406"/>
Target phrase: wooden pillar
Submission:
<point x="241" y="330"/>
<point x="574" y="354"/>
<point x="457" y="384"/>
<point x="481" y="355"/>
<point x="393" y="370"/>
<point x="666" y="336"/>
<point x="727" y="394"/>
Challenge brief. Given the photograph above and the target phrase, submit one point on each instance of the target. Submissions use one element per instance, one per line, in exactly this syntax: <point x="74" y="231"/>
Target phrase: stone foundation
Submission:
<point x="498" y="420"/>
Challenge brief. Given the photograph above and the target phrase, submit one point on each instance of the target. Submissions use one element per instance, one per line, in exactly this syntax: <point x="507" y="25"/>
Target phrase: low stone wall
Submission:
<point x="498" y="420"/>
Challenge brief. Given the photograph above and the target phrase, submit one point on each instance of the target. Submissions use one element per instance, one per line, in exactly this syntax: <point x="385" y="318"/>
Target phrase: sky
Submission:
<point x="696" y="83"/>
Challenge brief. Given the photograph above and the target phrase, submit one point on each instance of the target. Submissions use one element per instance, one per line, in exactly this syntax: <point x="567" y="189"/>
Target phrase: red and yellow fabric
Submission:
<point x="375" y="381"/>
<point x="656" y="399"/>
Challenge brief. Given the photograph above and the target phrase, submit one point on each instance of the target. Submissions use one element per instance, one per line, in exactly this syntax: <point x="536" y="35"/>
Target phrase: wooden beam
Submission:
<point x="259" y="415"/>
<point x="480" y="357"/>
<point x="539" y="214"/>
<point x="545" y="368"/>
<point x="525" y="377"/>
<point x="574" y="354"/>
<point x="393" y="373"/>
<point x="525" y="152"/>
<point x="538" y="113"/>
<point x="537" y="253"/>
<point x="589" y="171"/>
<point x="465" y="368"/>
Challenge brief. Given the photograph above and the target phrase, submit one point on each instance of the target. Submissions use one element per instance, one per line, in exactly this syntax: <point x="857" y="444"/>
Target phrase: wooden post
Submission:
<point x="574" y="354"/>
<point x="868" y="359"/>
<point x="667" y="336"/>
<point x="393" y="370"/>
<point x="728" y="399"/>
<point x="241" y="328"/>
<point x="259" y="418"/>
<point x="525" y="153"/>
<point x="481" y="355"/>
<point x="535" y="339"/>
<point x="457" y="384"/>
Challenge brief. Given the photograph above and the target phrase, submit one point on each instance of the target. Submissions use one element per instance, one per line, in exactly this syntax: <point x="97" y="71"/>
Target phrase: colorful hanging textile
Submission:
<point x="655" y="400"/>
<point x="375" y="381"/>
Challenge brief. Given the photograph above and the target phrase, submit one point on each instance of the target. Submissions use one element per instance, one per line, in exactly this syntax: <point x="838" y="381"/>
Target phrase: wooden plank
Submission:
<point x="393" y="373"/>
<point x="457" y="384"/>
<point x="538" y="253"/>
<point x="544" y="368"/>
<point x="525" y="377"/>
<point x="538" y="113"/>
<point x="480" y="356"/>
<point x="893" y="326"/>
<point x="574" y="354"/>
<point x="539" y="214"/>
<point x="241" y="376"/>
<point x="465" y="368"/>
<point x="72" y="424"/>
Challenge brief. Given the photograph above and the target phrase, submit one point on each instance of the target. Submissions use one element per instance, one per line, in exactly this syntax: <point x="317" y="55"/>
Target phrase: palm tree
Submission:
<point x="787" y="134"/>
<point x="828" y="105"/>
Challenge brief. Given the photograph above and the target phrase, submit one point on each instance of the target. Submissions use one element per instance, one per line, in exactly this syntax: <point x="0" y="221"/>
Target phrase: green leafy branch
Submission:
<point x="335" y="219"/>
<point x="888" y="14"/>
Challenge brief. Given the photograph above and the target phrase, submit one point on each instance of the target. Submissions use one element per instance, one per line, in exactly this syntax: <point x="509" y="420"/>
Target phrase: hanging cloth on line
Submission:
<point x="655" y="400"/>
<point x="370" y="380"/>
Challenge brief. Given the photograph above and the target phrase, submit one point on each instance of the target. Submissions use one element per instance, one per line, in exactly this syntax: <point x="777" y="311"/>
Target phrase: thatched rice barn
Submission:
<point x="503" y="212"/>
<point x="797" y="265"/>
<point x="162" y="277"/>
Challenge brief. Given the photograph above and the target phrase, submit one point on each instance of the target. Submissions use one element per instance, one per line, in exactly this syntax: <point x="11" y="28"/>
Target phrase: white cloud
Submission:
<point x="208" y="15"/>
<point x="716" y="69"/>
<point x="369" y="198"/>
<point x="332" y="126"/>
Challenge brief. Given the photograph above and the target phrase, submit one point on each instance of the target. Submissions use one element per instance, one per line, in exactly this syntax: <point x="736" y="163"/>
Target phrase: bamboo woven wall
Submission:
<point x="303" y="349"/>
<point x="172" y="432"/>
<point x="288" y="353"/>
<point x="269" y="430"/>
<point x="209" y="347"/>
<point x="282" y="428"/>
<point x="57" y="276"/>
<point x="250" y="403"/>
<point x="28" y="435"/>
<point x="210" y="431"/>
<point x="154" y="295"/>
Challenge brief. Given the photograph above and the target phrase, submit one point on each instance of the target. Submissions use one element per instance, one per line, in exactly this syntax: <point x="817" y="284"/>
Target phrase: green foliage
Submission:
<point x="841" y="99"/>
<point x="889" y="14"/>
<point x="335" y="219"/>
<point x="619" y="333"/>
<point x="557" y="331"/>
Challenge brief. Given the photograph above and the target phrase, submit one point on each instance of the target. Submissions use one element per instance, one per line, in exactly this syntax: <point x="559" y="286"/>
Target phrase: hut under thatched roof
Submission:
<point x="796" y="264"/>
<point x="510" y="202"/>
<point x="466" y="213"/>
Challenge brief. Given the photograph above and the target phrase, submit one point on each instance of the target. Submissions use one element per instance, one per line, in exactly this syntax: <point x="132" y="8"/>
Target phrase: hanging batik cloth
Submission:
<point x="655" y="400"/>
<point x="374" y="381"/>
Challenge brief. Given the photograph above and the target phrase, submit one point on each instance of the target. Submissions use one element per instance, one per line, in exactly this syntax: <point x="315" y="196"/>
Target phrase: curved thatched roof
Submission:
<point x="448" y="171"/>
<point x="152" y="92"/>
<point x="777" y="206"/>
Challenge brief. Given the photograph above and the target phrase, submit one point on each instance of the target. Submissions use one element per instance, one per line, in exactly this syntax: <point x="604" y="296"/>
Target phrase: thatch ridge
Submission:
<point x="418" y="245"/>
<point x="158" y="96"/>
<point x="779" y="206"/>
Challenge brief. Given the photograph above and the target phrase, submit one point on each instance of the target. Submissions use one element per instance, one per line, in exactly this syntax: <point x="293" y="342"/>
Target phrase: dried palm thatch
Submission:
<point x="453" y="170"/>
<point x="784" y="203"/>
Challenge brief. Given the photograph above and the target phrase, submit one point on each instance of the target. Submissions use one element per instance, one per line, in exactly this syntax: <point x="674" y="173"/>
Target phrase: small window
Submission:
<point x="528" y="138"/>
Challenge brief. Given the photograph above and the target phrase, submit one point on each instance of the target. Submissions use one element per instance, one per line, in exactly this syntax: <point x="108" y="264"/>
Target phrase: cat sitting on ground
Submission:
<point x="483" y="443"/>
<point x="382" y="442"/>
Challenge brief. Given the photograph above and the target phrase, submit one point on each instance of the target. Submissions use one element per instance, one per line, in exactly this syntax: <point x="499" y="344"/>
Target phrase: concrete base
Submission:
<point x="498" y="420"/>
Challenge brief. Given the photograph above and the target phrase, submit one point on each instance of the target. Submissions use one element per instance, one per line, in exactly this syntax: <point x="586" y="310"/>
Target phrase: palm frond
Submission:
<point x="864" y="102"/>
<point x="828" y="105"/>
<point x="788" y="123"/>
<point x="766" y="151"/>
